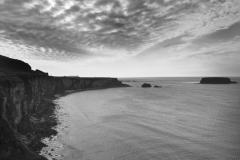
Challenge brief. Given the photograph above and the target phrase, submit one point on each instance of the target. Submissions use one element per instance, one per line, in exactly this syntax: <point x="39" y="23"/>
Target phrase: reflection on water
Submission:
<point x="179" y="121"/>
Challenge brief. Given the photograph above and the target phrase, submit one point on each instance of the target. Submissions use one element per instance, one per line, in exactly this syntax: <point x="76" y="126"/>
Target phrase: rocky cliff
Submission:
<point x="26" y="109"/>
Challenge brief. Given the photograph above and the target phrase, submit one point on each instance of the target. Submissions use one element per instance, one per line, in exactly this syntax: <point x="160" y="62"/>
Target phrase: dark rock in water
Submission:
<point x="145" y="85"/>
<point x="216" y="80"/>
<point x="156" y="86"/>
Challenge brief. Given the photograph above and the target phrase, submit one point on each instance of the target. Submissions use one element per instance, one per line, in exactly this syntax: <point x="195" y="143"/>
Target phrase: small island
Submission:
<point x="216" y="80"/>
<point x="146" y="85"/>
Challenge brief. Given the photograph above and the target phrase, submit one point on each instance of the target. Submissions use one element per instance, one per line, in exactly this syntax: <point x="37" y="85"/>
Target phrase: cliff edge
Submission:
<point x="26" y="106"/>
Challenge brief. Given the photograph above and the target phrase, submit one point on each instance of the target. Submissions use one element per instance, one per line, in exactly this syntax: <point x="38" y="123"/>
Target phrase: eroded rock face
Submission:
<point x="145" y="85"/>
<point x="26" y="107"/>
<point x="67" y="82"/>
<point x="216" y="80"/>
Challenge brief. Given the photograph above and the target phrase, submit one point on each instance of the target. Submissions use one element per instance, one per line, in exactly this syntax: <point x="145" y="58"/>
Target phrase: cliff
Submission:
<point x="26" y="109"/>
<point x="13" y="65"/>
<point x="216" y="80"/>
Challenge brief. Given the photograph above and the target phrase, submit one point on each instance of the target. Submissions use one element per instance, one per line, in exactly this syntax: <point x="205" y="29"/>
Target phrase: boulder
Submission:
<point x="145" y="85"/>
<point x="156" y="86"/>
<point x="216" y="80"/>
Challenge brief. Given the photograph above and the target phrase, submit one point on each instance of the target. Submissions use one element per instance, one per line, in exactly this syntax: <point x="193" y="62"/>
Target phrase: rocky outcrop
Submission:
<point x="146" y="85"/>
<point x="26" y="106"/>
<point x="216" y="80"/>
<point x="40" y="72"/>
<point x="12" y="65"/>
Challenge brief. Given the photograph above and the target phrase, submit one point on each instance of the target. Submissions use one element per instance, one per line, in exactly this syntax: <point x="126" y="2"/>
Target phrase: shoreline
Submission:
<point x="53" y="118"/>
<point x="27" y="140"/>
<point x="35" y="110"/>
<point x="27" y="107"/>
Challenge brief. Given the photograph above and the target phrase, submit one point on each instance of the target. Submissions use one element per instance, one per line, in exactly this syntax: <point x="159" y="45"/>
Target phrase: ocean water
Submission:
<point x="180" y="121"/>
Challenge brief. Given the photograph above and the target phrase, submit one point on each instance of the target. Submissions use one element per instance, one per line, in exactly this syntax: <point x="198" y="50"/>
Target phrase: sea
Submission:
<point x="182" y="120"/>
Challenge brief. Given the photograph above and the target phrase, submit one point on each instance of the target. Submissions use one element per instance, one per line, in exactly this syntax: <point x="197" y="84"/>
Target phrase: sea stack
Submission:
<point x="216" y="80"/>
<point x="146" y="85"/>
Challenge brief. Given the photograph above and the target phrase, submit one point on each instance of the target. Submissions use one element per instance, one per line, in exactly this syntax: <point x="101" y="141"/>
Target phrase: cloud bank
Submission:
<point x="113" y="29"/>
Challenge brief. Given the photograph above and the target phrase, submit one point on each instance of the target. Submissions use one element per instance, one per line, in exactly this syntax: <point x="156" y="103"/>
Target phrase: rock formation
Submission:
<point x="216" y="80"/>
<point x="40" y="72"/>
<point x="26" y="106"/>
<point x="145" y="85"/>
<point x="13" y="65"/>
<point x="156" y="86"/>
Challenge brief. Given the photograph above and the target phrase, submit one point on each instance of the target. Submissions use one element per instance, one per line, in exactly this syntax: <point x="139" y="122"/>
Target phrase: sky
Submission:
<point x="123" y="38"/>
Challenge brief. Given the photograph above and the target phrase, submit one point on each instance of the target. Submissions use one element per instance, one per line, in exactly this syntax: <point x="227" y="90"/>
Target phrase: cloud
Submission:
<point x="209" y="49"/>
<point x="113" y="29"/>
<point x="222" y="35"/>
<point x="162" y="47"/>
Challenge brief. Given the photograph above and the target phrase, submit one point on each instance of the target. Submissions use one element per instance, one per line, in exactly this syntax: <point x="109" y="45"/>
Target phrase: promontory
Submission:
<point x="26" y="106"/>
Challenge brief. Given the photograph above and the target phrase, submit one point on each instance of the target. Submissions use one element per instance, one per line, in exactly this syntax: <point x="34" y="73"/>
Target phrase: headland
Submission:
<point x="26" y="107"/>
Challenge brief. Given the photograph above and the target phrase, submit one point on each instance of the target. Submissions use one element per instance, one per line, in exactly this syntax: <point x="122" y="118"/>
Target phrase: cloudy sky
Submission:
<point x="123" y="38"/>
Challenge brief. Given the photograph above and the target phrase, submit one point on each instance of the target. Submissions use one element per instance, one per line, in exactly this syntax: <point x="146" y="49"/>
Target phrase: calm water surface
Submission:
<point x="182" y="121"/>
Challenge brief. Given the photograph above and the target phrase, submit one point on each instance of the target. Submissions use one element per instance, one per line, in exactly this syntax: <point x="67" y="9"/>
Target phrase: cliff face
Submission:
<point x="22" y="95"/>
<point x="26" y="108"/>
